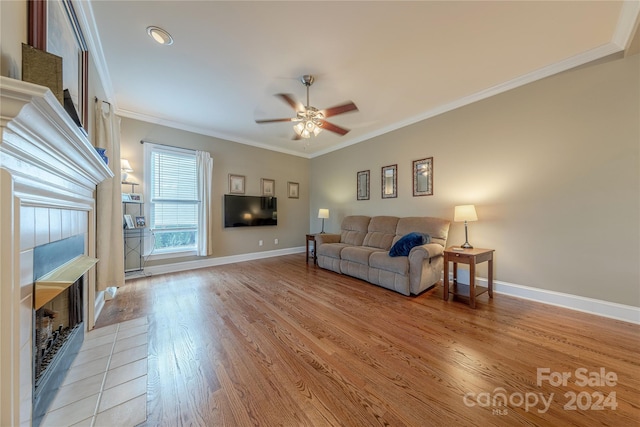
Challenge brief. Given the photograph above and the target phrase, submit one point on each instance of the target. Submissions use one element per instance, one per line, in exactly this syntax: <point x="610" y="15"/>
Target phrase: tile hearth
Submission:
<point x="107" y="382"/>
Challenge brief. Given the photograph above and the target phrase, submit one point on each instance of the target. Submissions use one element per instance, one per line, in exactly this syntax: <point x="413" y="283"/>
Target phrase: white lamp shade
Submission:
<point x="125" y="166"/>
<point x="465" y="213"/>
<point x="323" y="213"/>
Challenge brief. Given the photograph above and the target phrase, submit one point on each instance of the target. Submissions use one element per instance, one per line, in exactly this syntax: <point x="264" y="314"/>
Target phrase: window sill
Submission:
<point x="169" y="255"/>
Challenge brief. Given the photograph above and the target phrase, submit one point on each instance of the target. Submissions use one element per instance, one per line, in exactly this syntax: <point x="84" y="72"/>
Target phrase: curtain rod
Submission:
<point x="142" y="141"/>
<point x="96" y="100"/>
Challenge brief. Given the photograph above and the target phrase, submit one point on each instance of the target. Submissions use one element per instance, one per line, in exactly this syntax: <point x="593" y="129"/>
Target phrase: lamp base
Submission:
<point x="466" y="244"/>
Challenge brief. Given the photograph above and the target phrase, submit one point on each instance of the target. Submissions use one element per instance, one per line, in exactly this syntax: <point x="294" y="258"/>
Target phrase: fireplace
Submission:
<point x="48" y="176"/>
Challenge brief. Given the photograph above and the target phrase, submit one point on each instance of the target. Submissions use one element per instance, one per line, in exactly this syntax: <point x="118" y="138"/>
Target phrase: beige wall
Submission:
<point x="13" y="32"/>
<point x="552" y="168"/>
<point x="229" y="157"/>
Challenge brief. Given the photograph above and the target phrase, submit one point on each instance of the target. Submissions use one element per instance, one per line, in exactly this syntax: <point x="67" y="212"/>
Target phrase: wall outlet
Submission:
<point x="275" y="241"/>
<point x="260" y="242"/>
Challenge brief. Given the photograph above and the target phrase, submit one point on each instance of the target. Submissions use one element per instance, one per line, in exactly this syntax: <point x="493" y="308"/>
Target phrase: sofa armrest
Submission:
<point x="327" y="238"/>
<point x="427" y="251"/>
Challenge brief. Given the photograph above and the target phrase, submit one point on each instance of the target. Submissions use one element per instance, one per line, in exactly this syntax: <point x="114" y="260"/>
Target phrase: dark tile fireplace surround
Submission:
<point x="58" y="325"/>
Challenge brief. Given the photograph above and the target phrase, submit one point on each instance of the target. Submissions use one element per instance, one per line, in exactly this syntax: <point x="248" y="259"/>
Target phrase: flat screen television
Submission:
<point x="250" y="211"/>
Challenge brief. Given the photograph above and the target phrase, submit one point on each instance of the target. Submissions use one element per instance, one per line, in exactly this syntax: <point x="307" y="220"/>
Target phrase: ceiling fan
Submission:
<point x="310" y="120"/>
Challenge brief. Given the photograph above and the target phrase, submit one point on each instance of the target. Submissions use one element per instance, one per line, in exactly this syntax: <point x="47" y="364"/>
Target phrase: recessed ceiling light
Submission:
<point x="160" y="35"/>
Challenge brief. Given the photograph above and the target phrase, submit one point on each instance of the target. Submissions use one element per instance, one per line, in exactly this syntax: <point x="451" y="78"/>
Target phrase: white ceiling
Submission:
<point x="400" y="62"/>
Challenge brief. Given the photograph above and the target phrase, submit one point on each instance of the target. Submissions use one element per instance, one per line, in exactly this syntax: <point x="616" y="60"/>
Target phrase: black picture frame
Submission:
<point x="363" y="185"/>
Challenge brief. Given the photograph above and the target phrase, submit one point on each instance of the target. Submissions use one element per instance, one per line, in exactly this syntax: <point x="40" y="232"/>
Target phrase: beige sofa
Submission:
<point x="362" y="250"/>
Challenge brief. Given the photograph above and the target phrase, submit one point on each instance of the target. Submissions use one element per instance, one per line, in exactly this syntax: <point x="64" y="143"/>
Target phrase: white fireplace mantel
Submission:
<point x="43" y="149"/>
<point x="47" y="162"/>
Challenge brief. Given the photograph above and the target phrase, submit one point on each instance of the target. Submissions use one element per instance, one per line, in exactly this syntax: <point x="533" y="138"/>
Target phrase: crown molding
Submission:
<point x="627" y="24"/>
<point x="203" y="131"/>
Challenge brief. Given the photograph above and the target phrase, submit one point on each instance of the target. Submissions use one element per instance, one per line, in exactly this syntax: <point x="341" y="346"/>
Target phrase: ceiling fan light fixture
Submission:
<point x="159" y="35"/>
<point x="309" y="121"/>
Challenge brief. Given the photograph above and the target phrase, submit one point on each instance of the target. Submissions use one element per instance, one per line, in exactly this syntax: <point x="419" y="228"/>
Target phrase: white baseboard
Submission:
<point x="608" y="309"/>
<point x="211" y="262"/>
<point x="602" y="308"/>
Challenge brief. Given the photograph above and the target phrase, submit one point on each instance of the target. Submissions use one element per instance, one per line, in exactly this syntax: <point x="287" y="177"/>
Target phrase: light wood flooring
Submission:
<point x="277" y="342"/>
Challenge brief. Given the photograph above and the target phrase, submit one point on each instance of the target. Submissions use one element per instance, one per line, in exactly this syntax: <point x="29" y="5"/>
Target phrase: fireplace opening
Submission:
<point x="55" y="323"/>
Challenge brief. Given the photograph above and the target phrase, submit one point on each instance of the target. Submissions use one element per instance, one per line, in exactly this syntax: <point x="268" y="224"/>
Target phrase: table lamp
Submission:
<point x="323" y="213"/>
<point x="125" y="168"/>
<point x="465" y="213"/>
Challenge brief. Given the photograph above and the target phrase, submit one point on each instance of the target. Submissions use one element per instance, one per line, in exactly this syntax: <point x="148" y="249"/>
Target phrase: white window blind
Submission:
<point x="173" y="198"/>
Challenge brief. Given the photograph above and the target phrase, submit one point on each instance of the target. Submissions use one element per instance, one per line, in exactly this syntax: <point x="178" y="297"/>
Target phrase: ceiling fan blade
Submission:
<point x="296" y="137"/>
<point x="333" y="128"/>
<point x="292" y="102"/>
<point x="339" y="109"/>
<point x="275" y="120"/>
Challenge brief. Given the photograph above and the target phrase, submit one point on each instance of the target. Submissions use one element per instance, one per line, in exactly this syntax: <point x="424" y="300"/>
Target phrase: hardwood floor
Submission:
<point x="279" y="342"/>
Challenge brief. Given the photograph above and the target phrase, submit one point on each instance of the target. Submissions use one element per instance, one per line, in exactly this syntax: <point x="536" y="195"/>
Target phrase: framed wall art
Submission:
<point x="54" y="27"/>
<point x="293" y="189"/>
<point x="423" y="177"/>
<point x="236" y="184"/>
<point x="389" y="179"/>
<point x="268" y="187"/>
<point x="362" y="185"/>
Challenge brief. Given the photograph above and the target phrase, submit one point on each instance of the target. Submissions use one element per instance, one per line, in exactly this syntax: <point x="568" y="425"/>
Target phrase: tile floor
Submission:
<point x="107" y="382"/>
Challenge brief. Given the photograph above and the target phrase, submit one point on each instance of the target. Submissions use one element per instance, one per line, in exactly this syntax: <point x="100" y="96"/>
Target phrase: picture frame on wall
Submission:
<point x="135" y="198"/>
<point x="53" y="27"/>
<point x="423" y="177"/>
<point x="268" y="187"/>
<point x="363" y="185"/>
<point x="236" y="184"/>
<point x="293" y="189"/>
<point x="389" y="181"/>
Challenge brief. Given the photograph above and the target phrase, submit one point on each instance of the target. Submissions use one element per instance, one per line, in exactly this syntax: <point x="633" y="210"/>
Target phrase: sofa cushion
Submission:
<point x="354" y="229"/>
<point x="358" y="254"/>
<point x="403" y="246"/>
<point x="381" y="232"/>
<point x="331" y="250"/>
<point x="382" y="261"/>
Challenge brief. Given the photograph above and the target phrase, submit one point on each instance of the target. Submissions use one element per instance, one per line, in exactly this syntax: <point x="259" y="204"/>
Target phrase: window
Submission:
<point x="172" y="198"/>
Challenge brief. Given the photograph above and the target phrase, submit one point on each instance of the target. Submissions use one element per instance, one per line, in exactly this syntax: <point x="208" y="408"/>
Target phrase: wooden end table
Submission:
<point x="472" y="256"/>
<point x="312" y="238"/>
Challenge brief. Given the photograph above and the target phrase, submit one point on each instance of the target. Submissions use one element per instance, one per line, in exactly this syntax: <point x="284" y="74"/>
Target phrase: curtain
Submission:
<point x="204" y="168"/>
<point x="109" y="237"/>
